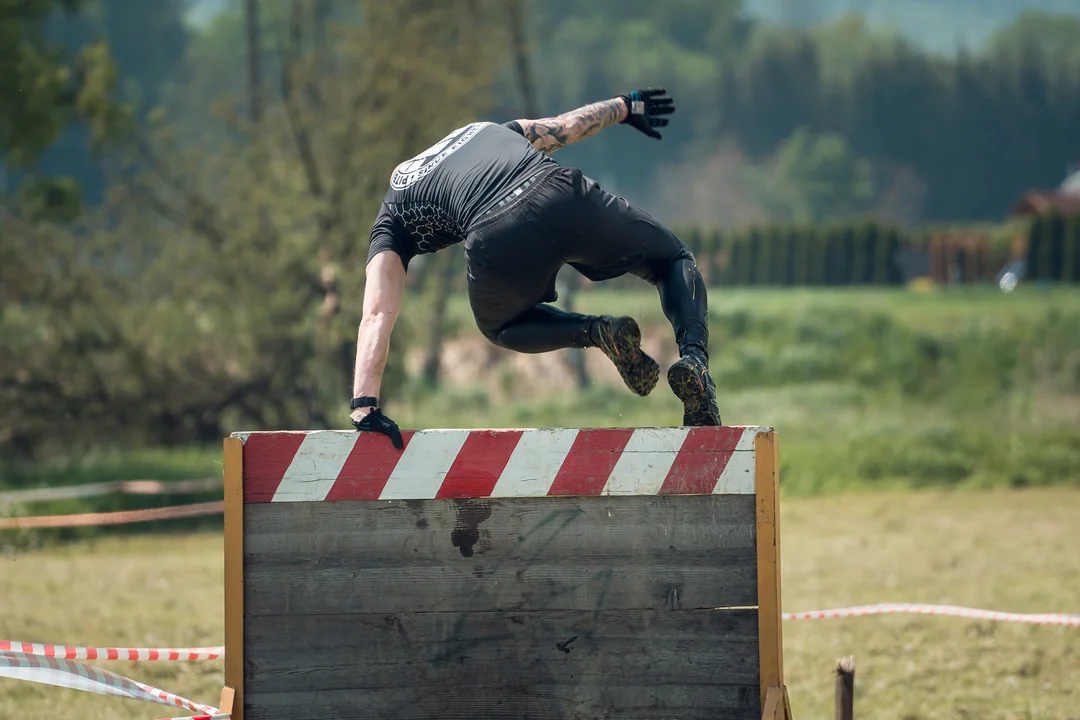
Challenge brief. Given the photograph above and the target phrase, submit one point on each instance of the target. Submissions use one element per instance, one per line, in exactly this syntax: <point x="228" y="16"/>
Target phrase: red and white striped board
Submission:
<point x="349" y="465"/>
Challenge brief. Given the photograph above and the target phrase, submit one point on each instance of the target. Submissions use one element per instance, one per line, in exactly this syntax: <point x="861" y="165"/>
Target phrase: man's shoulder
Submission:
<point x="410" y="171"/>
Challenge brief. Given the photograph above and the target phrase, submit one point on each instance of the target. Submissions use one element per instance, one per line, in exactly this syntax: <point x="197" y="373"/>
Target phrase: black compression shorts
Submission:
<point x="562" y="217"/>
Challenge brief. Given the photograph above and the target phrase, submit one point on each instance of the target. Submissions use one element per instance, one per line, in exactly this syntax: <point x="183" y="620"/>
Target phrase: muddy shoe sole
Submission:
<point x="621" y="342"/>
<point x="699" y="403"/>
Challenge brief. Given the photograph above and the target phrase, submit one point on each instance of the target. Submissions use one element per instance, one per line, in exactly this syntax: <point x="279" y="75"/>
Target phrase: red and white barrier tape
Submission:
<point x="55" y="664"/>
<point x="80" y="676"/>
<point x="226" y="716"/>
<point x="68" y="652"/>
<point x="120" y="517"/>
<point x="125" y="487"/>
<point x="1058" y="619"/>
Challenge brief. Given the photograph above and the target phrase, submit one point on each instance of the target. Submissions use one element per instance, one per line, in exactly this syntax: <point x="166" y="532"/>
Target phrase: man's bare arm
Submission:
<point x="383" y="290"/>
<point x="549" y="134"/>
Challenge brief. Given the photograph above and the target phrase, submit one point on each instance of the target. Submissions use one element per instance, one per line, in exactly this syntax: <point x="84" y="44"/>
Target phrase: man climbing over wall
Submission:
<point x="521" y="217"/>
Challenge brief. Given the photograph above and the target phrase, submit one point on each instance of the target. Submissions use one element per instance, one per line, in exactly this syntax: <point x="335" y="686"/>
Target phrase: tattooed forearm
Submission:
<point x="550" y="134"/>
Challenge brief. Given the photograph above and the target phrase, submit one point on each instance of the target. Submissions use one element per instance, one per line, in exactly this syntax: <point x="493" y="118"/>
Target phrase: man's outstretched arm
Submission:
<point x="641" y="109"/>
<point x="549" y="134"/>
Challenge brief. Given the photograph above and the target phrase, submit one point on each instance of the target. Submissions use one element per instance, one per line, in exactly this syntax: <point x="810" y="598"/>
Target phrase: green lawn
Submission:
<point x="868" y="388"/>
<point x="939" y="309"/>
<point x="943" y="392"/>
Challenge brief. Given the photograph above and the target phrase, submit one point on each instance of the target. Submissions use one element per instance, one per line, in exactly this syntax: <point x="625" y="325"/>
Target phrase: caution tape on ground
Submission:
<point x="57" y="665"/>
<point x="123" y="487"/>
<point x="80" y="676"/>
<point x="195" y="654"/>
<point x="121" y="517"/>
<point x="1057" y="619"/>
<point x="72" y="652"/>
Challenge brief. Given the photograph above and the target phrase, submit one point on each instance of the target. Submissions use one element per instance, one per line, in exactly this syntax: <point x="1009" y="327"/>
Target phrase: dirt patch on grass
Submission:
<point x="472" y="361"/>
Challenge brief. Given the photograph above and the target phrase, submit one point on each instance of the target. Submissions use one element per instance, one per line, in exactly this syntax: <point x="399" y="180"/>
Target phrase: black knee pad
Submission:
<point x="686" y="254"/>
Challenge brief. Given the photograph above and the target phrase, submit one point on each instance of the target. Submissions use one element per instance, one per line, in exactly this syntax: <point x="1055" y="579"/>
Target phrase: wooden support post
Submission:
<point x="770" y="627"/>
<point x="234" y="578"/>
<point x="775" y="703"/>
<point x="845" y="689"/>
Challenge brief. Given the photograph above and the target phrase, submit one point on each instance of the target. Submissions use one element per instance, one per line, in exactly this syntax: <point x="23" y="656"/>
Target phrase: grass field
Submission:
<point x="949" y="392"/>
<point x="869" y="389"/>
<point x="1007" y="550"/>
<point x="939" y="309"/>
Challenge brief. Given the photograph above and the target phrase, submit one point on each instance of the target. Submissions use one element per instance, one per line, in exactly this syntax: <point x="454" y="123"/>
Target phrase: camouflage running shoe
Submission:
<point x="620" y="339"/>
<point x="689" y="380"/>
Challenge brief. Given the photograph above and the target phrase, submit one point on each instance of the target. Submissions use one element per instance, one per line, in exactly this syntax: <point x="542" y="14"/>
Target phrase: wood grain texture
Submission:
<point x="490" y="652"/>
<point x="667" y="552"/>
<point x="646" y="664"/>
<point x="588" y="584"/>
<point x="770" y="619"/>
<point x="234" y="573"/>
<point x="612" y="700"/>
<point x="551" y="608"/>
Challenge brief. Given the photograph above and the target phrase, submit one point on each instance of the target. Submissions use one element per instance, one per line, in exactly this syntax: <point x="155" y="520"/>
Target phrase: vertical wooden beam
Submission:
<point x="770" y="704"/>
<point x="934" y="258"/>
<point x="776" y="704"/>
<point x="234" y="574"/>
<point x="770" y="631"/>
<point x="844" y="702"/>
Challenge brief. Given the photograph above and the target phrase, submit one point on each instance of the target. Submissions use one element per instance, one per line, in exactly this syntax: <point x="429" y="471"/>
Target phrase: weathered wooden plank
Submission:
<point x="613" y="700"/>
<point x="557" y="553"/>
<point x="724" y="579"/>
<point x="650" y="648"/>
<point x="234" y="570"/>
<point x="580" y="662"/>
<point x="562" y="527"/>
<point x="770" y="621"/>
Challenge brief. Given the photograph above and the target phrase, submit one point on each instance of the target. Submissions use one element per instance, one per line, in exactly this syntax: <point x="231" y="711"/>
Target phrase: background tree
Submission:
<point x="181" y="310"/>
<point x="45" y="88"/>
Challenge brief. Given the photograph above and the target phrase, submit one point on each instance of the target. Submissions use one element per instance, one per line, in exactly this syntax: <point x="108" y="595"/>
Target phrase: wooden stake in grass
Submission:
<point x="845" y="689"/>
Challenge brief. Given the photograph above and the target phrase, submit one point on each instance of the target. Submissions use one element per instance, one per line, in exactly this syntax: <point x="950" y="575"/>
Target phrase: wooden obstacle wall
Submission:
<point x="498" y="574"/>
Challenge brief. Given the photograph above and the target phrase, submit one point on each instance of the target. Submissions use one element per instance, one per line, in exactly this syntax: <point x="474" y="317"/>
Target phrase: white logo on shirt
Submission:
<point x="410" y="171"/>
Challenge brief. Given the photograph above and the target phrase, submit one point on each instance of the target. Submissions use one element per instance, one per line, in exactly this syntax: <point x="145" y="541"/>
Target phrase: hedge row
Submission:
<point x="1053" y="249"/>
<point x="862" y="254"/>
<point x="872" y="253"/>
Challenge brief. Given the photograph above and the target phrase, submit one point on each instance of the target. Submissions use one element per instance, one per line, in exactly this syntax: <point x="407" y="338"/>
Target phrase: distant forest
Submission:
<point x="942" y="26"/>
<point x="790" y="111"/>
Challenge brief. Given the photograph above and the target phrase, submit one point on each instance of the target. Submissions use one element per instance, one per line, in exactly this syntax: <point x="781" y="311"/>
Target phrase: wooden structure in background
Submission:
<point x="1033" y="204"/>
<point x="844" y="694"/>
<point x="498" y="574"/>
<point x="960" y="257"/>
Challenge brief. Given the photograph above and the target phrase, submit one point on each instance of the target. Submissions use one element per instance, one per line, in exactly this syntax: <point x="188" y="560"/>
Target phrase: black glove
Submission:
<point x="375" y="421"/>
<point x="644" y="108"/>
